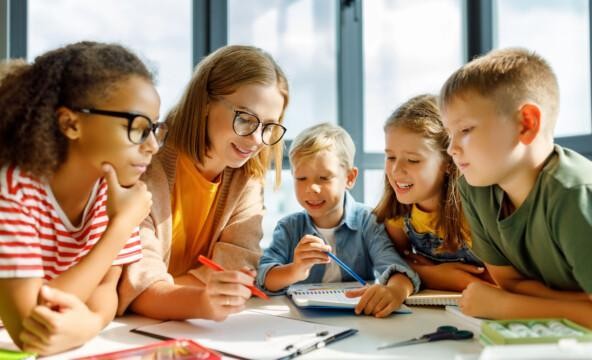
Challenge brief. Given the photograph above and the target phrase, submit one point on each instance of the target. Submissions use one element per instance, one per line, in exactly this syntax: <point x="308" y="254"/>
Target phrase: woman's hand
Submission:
<point x="61" y="322"/>
<point x="227" y="292"/>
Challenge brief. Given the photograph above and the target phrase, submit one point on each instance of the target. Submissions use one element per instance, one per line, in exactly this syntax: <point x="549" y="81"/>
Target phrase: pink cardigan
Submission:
<point x="237" y="228"/>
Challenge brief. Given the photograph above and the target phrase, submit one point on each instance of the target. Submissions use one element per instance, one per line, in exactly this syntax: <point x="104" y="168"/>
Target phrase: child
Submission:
<point x="77" y="128"/>
<point x="322" y="164"/>
<point x="528" y="202"/>
<point x="420" y="204"/>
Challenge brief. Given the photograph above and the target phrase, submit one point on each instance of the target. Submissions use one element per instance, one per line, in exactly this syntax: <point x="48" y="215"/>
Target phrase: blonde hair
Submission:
<point x="508" y="77"/>
<point x="323" y="137"/>
<point x="222" y="73"/>
<point x="421" y="115"/>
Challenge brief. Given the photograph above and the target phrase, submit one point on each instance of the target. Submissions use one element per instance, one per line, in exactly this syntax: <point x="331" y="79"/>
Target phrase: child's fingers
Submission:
<point x="471" y="268"/>
<point x="310" y="255"/>
<point x="39" y="331"/>
<point x="383" y="304"/>
<point x="111" y="177"/>
<point x="356" y="292"/>
<point x="46" y="317"/>
<point x="31" y="343"/>
<point x="372" y="303"/>
<point x="386" y="311"/>
<point x="314" y="242"/>
<point x="58" y="298"/>
<point x="361" y="305"/>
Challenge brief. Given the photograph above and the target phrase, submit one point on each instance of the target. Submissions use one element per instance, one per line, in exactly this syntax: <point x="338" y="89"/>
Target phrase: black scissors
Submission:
<point x="442" y="333"/>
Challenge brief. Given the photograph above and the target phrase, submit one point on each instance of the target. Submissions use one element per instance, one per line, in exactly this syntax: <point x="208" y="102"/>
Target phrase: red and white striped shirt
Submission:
<point x="37" y="240"/>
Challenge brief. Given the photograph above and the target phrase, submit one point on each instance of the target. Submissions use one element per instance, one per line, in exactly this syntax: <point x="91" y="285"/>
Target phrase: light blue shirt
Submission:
<point x="361" y="243"/>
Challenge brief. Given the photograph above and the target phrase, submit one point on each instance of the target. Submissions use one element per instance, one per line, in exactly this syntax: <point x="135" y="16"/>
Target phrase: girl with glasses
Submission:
<point x="208" y="180"/>
<point x="70" y="195"/>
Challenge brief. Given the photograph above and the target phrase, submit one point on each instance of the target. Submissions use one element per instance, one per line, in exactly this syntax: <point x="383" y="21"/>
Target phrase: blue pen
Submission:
<point x="346" y="268"/>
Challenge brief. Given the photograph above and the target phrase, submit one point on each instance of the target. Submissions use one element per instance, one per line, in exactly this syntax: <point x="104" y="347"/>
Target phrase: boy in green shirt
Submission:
<point x="528" y="201"/>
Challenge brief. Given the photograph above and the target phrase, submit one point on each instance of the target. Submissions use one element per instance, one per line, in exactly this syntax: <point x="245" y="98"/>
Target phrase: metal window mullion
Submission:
<point x="17" y="28"/>
<point x="350" y="81"/>
<point x="479" y="27"/>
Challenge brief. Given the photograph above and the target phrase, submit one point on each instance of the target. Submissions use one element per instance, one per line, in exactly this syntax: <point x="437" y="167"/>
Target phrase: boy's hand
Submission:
<point x="228" y="292"/>
<point x="378" y="300"/>
<point x="130" y="203"/>
<point x="483" y="300"/>
<point x="62" y="322"/>
<point x="309" y="251"/>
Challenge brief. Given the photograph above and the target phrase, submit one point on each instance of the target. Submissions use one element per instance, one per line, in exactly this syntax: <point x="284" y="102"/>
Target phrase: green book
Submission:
<point x="532" y="331"/>
<point x="16" y="355"/>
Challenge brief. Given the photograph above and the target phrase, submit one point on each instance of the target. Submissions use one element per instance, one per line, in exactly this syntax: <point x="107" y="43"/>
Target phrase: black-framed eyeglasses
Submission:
<point x="139" y="126"/>
<point x="245" y="124"/>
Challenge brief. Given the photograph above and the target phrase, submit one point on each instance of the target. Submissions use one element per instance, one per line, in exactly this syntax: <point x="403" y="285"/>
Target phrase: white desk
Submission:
<point x="372" y="333"/>
<point x="375" y="332"/>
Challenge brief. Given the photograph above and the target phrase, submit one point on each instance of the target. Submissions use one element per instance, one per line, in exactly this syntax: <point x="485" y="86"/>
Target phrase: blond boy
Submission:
<point x="527" y="200"/>
<point x="332" y="221"/>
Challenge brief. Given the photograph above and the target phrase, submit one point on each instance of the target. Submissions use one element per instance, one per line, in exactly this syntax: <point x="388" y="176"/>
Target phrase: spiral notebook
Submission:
<point x="434" y="298"/>
<point x="328" y="296"/>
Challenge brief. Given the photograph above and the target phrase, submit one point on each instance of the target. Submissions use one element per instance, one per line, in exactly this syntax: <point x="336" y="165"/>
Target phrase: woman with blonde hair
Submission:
<point x="207" y="184"/>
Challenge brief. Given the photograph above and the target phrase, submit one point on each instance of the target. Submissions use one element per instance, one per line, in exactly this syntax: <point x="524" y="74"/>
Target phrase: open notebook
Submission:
<point x="252" y="335"/>
<point x="434" y="297"/>
<point x="327" y="296"/>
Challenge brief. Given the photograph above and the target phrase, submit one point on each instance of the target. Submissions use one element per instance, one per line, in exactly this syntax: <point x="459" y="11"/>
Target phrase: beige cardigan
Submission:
<point x="237" y="228"/>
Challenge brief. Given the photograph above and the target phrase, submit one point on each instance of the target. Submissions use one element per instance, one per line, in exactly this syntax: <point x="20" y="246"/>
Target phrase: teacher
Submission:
<point x="207" y="188"/>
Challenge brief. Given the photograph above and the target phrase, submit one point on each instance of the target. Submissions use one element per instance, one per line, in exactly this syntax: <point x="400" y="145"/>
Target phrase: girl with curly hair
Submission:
<point x="78" y="128"/>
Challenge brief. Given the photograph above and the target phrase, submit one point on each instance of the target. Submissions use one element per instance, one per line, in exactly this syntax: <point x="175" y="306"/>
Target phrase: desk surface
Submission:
<point x="372" y="333"/>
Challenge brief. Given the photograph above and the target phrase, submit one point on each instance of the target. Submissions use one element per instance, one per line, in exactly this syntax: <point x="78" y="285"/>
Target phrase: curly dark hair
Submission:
<point x="73" y="76"/>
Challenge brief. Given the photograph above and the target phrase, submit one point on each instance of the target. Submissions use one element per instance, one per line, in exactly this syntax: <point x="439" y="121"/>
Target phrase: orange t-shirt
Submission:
<point x="193" y="203"/>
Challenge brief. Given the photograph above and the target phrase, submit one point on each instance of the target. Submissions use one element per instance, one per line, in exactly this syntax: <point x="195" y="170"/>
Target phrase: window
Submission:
<point x="374" y="181"/>
<point x="560" y="32"/>
<point x="410" y="47"/>
<point x="301" y="36"/>
<point x="165" y="45"/>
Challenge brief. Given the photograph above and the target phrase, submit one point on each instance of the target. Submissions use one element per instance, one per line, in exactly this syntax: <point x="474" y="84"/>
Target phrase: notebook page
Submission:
<point x="434" y="297"/>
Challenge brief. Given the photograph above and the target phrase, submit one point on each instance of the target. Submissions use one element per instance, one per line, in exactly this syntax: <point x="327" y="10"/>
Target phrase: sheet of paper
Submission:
<point x="250" y="334"/>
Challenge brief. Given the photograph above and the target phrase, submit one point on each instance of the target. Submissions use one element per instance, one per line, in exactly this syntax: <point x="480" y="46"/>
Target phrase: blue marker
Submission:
<point x="346" y="268"/>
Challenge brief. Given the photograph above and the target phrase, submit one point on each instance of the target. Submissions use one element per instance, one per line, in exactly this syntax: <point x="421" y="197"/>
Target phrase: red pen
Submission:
<point x="212" y="265"/>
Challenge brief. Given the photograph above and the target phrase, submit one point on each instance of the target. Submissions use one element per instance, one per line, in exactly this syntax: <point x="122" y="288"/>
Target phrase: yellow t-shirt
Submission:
<point x="193" y="203"/>
<point x="425" y="222"/>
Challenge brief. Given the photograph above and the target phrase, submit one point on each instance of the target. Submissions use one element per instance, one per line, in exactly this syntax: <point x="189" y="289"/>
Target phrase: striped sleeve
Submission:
<point x="20" y="246"/>
<point x="132" y="251"/>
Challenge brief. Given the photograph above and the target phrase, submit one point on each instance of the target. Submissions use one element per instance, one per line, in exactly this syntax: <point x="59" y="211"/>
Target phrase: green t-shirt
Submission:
<point x="549" y="237"/>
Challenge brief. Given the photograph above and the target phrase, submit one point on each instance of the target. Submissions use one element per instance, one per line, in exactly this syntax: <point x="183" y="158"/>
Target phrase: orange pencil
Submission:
<point x="212" y="265"/>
